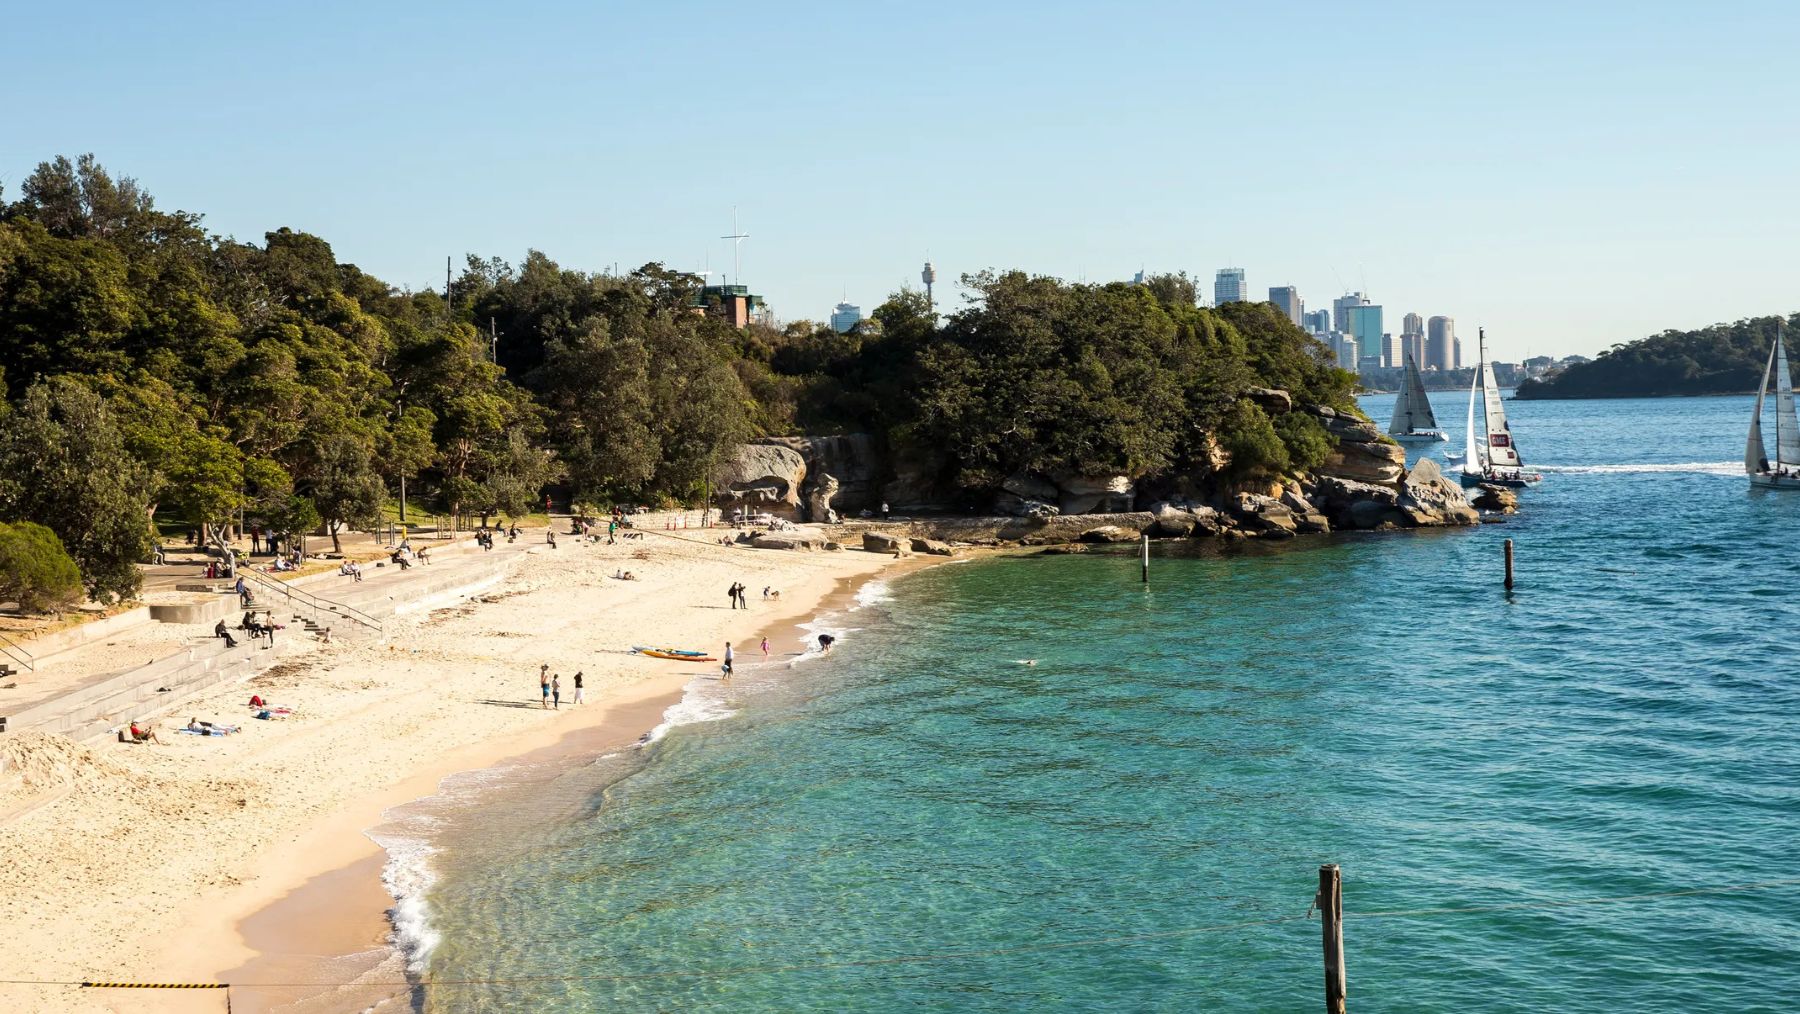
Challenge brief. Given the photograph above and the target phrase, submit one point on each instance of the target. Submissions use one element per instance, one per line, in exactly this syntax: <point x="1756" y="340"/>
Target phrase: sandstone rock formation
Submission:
<point x="819" y="495"/>
<point x="761" y="477"/>
<point x="932" y="547"/>
<point x="852" y="458"/>
<point x="880" y="542"/>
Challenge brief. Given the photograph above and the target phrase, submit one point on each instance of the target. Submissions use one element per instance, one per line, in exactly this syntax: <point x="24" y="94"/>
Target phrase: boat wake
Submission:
<point x="1688" y="467"/>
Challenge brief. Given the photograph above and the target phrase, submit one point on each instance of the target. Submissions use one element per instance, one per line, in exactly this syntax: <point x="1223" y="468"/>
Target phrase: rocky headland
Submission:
<point x="900" y="505"/>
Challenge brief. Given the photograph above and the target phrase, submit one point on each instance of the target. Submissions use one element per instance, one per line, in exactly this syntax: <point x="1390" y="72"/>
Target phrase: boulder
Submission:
<point x="1351" y="431"/>
<point x="1273" y="400"/>
<point x="1308" y="519"/>
<point x="1094" y="494"/>
<point x="1173" y="521"/>
<point x="819" y="495"/>
<point x="761" y="477"/>
<point x="1261" y="515"/>
<point x="1429" y="493"/>
<point x="932" y="547"/>
<point x="1497" y="499"/>
<point x="881" y="542"/>
<point x="1366" y="462"/>
<point x="1110" y="533"/>
<point x="1014" y="506"/>
<point x="1030" y="487"/>
<point x="1372" y="514"/>
<point x="802" y="543"/>
<point x="851" y="457"/>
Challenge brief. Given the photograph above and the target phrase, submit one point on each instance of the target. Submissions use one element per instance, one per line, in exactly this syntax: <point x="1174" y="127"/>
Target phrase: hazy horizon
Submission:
<point x="1567" y="179"/>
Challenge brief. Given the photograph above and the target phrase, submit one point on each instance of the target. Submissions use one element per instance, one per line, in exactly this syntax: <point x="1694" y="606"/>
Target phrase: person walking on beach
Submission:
<point x="556" y="691"/>
<point x="765" y="648"/>
<point x="544" y="682"/>
<point x="732" y="593"/>
<point x="580" y="694"/>
<point x="729" y="658"/>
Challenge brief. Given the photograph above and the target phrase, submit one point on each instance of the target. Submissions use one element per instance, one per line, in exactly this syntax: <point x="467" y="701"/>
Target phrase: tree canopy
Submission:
<point x="154" y="373"/>
<point x="1721" y="359"/>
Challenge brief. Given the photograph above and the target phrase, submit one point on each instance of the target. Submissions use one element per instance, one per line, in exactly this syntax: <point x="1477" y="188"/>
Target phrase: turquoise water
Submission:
<point x="1185" y="757"/>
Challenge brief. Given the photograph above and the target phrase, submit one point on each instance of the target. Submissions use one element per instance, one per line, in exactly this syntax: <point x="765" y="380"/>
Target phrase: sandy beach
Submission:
<point x="152" y="863"/>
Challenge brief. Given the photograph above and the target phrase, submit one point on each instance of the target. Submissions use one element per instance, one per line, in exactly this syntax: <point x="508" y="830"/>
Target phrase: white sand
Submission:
<point x="138" y="862"/>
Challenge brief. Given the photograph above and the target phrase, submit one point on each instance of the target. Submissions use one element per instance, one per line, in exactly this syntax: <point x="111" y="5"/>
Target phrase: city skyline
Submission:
<point x="1543" y="187"/>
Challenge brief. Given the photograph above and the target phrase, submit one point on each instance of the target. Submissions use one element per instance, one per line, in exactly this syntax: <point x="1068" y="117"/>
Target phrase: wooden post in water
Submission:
<point x="1146" y="559"/>
<point x="1331" y="918"/>
<point x="1509" y="565"/>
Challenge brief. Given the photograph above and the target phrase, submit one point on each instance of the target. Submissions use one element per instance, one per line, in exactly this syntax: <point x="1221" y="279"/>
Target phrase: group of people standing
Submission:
<point x="550" y="684"/>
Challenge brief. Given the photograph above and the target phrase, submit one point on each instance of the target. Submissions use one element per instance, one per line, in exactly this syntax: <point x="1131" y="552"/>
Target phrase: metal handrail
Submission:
<point x="13" y="650"/>
<point x="314" y="602"/>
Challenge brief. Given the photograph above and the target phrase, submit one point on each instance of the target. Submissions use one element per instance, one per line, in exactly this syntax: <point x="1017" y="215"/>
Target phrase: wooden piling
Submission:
<point x="1146" y="559"/>
<point x="1509" y="565"/>
<point x="1331" y="918"/>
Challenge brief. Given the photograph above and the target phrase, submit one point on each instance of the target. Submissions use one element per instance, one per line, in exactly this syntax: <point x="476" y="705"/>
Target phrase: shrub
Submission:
<point x="35" y="570"/>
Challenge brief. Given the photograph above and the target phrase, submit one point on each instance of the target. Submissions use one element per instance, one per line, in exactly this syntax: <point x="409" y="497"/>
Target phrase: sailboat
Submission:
<point x="1413" y="422"/>
<point x="1495" y="459"/>
<point x="1784" y="471"/>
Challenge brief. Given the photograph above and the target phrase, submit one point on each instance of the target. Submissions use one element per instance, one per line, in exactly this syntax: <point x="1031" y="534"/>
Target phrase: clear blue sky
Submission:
<point x="1567" y="175"/>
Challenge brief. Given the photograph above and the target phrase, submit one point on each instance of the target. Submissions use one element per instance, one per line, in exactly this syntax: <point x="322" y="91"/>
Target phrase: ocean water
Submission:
<point x="922" y="822"/>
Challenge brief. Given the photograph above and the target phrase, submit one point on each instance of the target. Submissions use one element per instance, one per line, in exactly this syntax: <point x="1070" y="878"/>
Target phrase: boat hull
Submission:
<point x="1764" y="480"/>
<point x="1421" y="437"/>
<point x="1520" y="481"/>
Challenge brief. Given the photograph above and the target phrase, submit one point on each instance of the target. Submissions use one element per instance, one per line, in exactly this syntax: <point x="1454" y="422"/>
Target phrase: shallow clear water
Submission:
<point x="1185" y="757"/>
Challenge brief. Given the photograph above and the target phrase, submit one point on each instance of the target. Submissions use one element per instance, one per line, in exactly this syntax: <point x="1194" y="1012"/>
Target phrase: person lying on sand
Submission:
<point x="199" y="728"/>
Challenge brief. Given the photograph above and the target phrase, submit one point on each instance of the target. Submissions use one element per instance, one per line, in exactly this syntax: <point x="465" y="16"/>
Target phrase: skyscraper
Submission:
<point x="1412" y="340"/>
<point x="1365" y="327"/>
<point x="1458" y="343"/>
<point x="1343" y="347"/>
<point x="1340" y="309"/>
<point x="845" y="316"/>
<point x="1441" y="344"/>
<point x="1318" y="321"/>
<point x="1288" y="299"/>
<point x="1393" y="349"/>
<point x="1228" y="287"/>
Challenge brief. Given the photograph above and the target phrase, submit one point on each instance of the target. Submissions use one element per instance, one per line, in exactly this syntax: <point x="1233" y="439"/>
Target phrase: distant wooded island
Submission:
<point x="1721" y="359"/>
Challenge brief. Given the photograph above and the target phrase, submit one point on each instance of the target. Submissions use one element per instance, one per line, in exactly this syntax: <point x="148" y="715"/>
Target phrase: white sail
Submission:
<point x="1756" y="454"/>
<point x="1412" y="409"/>
<point x="1471" y="452"/>
<point x="1500" y="450"/>
<point x="1787" y="428"/>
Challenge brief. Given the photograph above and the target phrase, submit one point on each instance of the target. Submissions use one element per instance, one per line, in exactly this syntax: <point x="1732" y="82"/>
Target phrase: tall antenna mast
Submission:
<point x="446" y="288"/>
<point x="737" y="244"/>
<point x="929" y="277"/>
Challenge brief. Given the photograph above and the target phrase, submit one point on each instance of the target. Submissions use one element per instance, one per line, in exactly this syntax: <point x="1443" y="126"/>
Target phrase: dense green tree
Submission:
<point x="63" y="464"/>
<point x="35" y="571"/>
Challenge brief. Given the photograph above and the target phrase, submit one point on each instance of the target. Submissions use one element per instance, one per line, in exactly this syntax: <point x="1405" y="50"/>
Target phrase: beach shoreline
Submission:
<point x="224" y="829"/>
<point x="338" y="925"/>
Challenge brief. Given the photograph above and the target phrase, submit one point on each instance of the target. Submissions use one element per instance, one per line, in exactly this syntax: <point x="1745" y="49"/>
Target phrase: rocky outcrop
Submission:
<point x="1497" y="499"/>
<point x="1366" y="462"/>
<point x="761" y="477"/>
<point x="1014" y="506"/>
<point x="1177" y="520"/>
<point x="1308" y="519"/>
<point x="852" y="458"/>
<point x="1429" y="492"/>
<point x="918" y="486"/>
<point x="819" y="495"/>
<point x="1273" y="400"/>
<point x="800" y="543"/>
<point x="1425" y="499"/>
<point x="932" y="547"/>
<point x="1111" y="533"/>
<point x="1037" y="496"/>
<point x="1095" y="494"/>
<point x="1263" y="516"/>
<point x="881" y="542"/>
